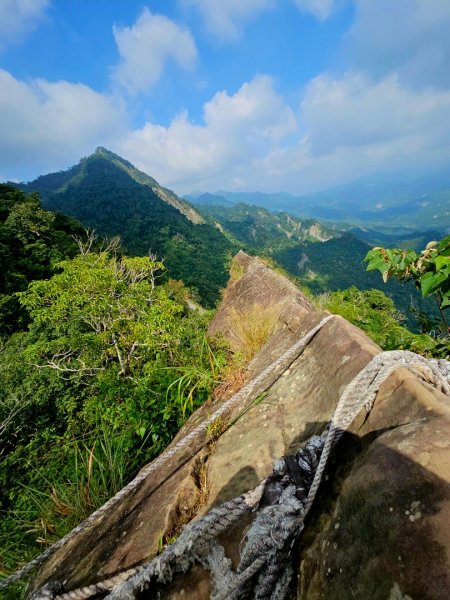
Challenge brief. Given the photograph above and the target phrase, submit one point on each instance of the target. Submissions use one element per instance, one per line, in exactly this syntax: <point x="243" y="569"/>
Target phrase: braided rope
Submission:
<point x="269" y="553"/>
<point x="192" y="545"/>
<point x="362" y="390"/>
<point x="276" y="527"/>
<point x="240" y="581"/>
<point x="102" y="587"/>
<point x="287" y="357"/>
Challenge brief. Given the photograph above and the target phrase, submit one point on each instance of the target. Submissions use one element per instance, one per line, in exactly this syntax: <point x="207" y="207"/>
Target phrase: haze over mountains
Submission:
<point x="391" y="205"/>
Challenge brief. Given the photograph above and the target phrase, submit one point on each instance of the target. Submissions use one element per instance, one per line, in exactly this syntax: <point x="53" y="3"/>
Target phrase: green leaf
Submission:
<point x="445" y="302"/>
<point x="379" y="264"/>
<point x="441" y="262"/>
<point x="444" y="245"/>
<point x="141" y="432"/>
<point x="430" y="282"/>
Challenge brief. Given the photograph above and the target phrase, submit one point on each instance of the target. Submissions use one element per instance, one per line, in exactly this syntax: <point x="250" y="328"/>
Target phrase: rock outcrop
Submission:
<point x="380" y="527"/>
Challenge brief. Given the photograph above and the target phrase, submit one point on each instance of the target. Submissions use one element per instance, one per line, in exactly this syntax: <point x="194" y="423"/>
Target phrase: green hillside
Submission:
<point x="257" y="228"/>
<point x="338" y="264"/>
<point x="107" y="193"/>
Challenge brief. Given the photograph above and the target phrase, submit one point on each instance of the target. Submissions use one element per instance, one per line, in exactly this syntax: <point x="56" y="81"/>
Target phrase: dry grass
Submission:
<point x="321" y="302"/>
<point x="216" y="428"/>
<point x="232" y="379"/>
<point x="251" y="328"/>
<point x="236" y="271"/>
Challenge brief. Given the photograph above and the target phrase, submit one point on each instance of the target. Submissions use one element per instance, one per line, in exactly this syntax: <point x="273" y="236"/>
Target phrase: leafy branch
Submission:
<point x="430" y="269"/>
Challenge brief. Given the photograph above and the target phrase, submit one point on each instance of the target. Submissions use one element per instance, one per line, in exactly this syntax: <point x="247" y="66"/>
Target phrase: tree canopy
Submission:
<point x="32" y="240"/>
<point x="111" y="366"/>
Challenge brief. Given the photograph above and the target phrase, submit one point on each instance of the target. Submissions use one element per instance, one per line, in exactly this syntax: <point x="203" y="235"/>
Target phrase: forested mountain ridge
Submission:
<point x="319" y="256"/>
<point x="107" y="193"/>
<point x="56" y="183"/>
<point x="259" y="229"/>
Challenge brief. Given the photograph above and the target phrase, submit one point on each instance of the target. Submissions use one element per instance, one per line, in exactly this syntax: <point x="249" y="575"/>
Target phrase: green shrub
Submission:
<point x="111" y="367"/>
<point x="430" y="270"/>
<point x="375" y="313"/>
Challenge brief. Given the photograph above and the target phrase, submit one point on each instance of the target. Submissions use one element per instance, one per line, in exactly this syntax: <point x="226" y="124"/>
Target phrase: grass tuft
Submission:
<point x="251" y="328"/>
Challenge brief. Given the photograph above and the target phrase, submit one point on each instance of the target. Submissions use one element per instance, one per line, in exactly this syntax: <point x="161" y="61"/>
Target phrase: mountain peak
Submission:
<point x="102" y="152"/>
<point x="58" y="183"/>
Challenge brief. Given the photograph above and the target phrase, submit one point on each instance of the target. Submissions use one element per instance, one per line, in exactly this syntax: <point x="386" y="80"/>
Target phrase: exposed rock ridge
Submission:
<point x="381" y="526"/>
<point x="251" y="283"/>
<point x="186" y="209"/>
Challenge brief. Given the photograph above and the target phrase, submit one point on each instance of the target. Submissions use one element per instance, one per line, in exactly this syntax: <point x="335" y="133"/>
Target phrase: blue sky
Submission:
<point x="293" y="95"/>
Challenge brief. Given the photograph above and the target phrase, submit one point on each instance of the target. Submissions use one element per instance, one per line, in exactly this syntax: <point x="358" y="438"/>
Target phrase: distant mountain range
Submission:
<point x="390" y="206"/>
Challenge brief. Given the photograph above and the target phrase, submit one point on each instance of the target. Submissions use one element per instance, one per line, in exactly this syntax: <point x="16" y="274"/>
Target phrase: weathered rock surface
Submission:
<point x="380" y="528"/>
<point x="253" y="283"/>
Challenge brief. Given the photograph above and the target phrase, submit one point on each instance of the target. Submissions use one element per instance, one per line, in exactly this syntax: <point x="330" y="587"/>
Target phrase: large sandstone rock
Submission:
<point x="380" y="528"/>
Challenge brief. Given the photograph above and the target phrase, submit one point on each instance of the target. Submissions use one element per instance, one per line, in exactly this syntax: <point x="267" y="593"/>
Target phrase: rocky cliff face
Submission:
<point x="380" y="526"/>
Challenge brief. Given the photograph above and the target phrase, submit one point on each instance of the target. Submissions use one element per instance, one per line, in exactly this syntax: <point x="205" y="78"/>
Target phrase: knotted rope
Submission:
<point x="281" y="501"/>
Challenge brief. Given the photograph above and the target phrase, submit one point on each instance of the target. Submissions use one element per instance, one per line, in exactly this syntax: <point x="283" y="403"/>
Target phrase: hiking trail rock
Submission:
<point x="380" y="526"/>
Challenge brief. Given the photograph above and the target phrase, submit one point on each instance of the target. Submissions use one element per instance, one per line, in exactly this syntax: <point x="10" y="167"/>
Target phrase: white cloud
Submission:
<point x="407" y="36"/>
<point x="147" y="46"/>
<point x="223" y="17"/>
<point x="18" y="17"/>
<point x="237" y="130"/>
<point x="357" y="111"/>
<point x="49" y="125"/>
<point x="345" y="128"/>
<point x="321" y="9"/>
<point x="355" y="125"/>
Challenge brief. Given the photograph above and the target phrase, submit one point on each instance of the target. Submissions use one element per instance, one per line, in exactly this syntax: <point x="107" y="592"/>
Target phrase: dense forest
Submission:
<point x="106" y="192"/>
<point x="32" y="240"/>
